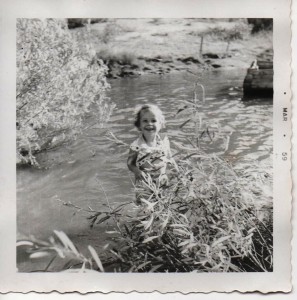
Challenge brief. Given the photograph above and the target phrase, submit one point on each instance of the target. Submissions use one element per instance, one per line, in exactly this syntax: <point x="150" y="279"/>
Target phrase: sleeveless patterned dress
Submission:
<point x="150" y="160"/>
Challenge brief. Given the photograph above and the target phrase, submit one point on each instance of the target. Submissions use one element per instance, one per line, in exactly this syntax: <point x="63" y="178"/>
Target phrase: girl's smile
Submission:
<point x="150" y="128"/>
<point x="149" y="124"/>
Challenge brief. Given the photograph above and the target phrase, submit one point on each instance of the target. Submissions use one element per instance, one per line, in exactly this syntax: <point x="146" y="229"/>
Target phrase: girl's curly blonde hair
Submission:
<point x="154" y="109"/>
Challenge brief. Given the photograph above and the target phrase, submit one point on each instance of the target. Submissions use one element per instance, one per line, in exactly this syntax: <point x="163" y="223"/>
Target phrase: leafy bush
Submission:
<point x="76" y="22"/>
<point x="260" y="24"/>
<point x="80" y="22"/>
<point x="58" y="83"/>
<point x="202" y="222"/>
<point x="207" y="220"/>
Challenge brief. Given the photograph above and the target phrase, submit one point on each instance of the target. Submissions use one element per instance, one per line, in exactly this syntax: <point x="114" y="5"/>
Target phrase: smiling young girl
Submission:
<point x="149" y="153"/>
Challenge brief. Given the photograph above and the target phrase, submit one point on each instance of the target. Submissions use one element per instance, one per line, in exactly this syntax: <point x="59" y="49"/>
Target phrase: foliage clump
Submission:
<point x="205" y="221"/>
<point x="58" y="83"/>
<point x="80" y="22"/>
<point x="260" y="24"/>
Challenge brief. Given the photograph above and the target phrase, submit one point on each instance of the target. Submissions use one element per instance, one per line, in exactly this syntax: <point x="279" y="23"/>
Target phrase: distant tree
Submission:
<point x="58" y="84"/>
<point x="259" y="24"/>
<point x="237" y="32"/>
<point x="80" y="22"/>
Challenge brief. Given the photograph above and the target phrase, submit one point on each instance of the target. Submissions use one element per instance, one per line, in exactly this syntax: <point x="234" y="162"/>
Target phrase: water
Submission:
<point x="76" y="168"/>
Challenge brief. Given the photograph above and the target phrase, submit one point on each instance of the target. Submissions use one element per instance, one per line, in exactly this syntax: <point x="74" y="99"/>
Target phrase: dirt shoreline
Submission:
<point x="162" y="65"/>
<point x="132" y="47"/>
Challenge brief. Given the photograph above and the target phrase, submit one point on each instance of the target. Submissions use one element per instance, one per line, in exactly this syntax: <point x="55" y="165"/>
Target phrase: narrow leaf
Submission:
<point x="142" y="265"/>
<point x="96" y="258"/>
<point x="24" y="243"/>
<point x="184" y="123"/>
<point x="150" y="239"/>
<point x="149" y="223"/>
<point x="181" y="109"/>
<point x="184" y="243"/>
<point x="66" y="241"/>
<point x="155" y="268"/>
<point x="150" y="205"/>
<point x="181" y="232"/>
<point x="178" y="225"/>
<point x="220" y="240"/>
<point x="102" y="219"/>
<point x="39" y="254"/>
<point x="166" y="221"/>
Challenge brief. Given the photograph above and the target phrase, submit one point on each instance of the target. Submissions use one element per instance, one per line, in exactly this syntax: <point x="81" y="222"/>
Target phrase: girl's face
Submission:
<point x="149" y="123"/>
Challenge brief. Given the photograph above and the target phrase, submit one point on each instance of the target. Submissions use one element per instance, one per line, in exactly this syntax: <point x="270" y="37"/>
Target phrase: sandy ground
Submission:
<point x="164" y="45"/>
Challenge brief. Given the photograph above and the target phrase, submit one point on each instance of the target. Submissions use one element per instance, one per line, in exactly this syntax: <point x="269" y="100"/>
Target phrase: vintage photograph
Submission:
<point x="144" y="145"/>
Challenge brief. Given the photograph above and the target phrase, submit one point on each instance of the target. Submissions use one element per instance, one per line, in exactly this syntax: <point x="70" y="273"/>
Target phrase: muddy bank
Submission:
<point x="132" y="47"/>
<point x="162" y="65"/>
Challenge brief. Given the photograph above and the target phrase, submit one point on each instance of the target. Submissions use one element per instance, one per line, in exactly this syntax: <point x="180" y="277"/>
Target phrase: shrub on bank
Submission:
<point x="260" y="24"/>
<point x="80" y="22"/>
<point x="58" y="83"/>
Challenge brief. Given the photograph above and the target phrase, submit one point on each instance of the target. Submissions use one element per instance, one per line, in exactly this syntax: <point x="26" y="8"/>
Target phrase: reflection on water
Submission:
<point x="77" y="167"/>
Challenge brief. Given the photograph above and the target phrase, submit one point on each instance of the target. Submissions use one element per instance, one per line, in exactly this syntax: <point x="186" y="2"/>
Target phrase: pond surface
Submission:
<point x="75" y="169"/>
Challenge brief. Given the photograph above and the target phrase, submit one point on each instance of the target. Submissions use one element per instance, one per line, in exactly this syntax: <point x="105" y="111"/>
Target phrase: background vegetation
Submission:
<point x="131" y="47"/>
<point x="58" y="84"/>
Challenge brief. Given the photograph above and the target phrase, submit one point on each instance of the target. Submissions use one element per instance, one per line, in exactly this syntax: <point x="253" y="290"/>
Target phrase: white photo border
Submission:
<point x="279" y="279"/>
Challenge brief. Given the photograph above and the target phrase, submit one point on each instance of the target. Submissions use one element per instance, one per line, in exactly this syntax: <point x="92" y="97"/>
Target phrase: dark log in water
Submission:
<point x="259" y="78"/>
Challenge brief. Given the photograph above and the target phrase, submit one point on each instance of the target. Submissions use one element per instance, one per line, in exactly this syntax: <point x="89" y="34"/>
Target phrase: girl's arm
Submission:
<point x="131" y="162"/>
